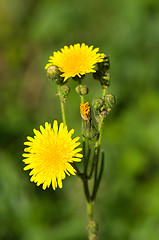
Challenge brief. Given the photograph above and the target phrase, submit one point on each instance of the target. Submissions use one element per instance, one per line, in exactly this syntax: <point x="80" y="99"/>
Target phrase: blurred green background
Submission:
<point x="127" y="204"/>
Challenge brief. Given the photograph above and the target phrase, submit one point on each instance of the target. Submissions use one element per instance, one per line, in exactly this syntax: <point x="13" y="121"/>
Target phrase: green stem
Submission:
<point x="104" y="91"/>
<point x="62" y="105"/>
<point x="81" y="96"/>
<point x="90" y="210"/>
<point x="92" y="226"/>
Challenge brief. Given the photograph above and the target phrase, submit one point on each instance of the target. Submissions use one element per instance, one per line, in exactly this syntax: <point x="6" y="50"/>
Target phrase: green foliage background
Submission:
<point x="127" y="205"/>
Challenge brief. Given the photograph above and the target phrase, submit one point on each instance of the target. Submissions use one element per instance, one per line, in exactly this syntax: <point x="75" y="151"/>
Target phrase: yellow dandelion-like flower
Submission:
<point x="50" y="153"/>
<point x="75" y="60"/>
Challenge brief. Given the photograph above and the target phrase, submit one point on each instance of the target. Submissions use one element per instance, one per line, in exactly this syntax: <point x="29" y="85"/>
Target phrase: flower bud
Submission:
<point x="82" y="90"/>
<point x="105" y="80"/>
<point x="54" y="74"/>
<point x="104" y="65"/>
<point x="104" y="105"/>
<point x="78" y="89"/>
<point x="109" y="100"/>
<point x="97" y="103"/>
<point x="65" y="91"/>
<point x="85" y="110"/>
<point x="88" y="129"/>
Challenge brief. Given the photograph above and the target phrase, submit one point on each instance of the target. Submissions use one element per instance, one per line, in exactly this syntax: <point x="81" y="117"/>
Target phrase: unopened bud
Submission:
<point x="97" y="103"/>
<point x="110" y="100"/>
<point x="78" y="89"/>
<point x="104" y="105"/>
<point x="88" y="129"/>
<point x="85" y="110"/>
<point x="105" y="80"/>
<point x="104" y="65"/>
<point x="54" y="74"/>
<point x="65" y="91"/>
<point x="82" y="90"/>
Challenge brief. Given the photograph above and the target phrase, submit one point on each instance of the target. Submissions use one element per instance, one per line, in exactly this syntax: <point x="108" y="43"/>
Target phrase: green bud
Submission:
<point x="78" y="89"/>
<point x="82" y="90"/>
<point x="105" y="80"/>
<point x="104" y="65"/>
<point x="104" y="105"/>
<point x="54" y="74"/>
<point x="65" y="91"/>
<point x="88" y="130"/>
<point x="98" y="103"/>
<point x="108" y="110"/>
<point x="109" y="100"/>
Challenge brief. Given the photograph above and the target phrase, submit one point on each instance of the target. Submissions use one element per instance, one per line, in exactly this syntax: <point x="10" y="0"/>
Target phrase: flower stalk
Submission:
<point x="62" y="101"/>
<point x="92" y="225"/>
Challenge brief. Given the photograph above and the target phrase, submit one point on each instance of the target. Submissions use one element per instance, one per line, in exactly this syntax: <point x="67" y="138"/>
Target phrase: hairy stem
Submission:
<point x="62" y="105"/>
<point x="92" y="226"/>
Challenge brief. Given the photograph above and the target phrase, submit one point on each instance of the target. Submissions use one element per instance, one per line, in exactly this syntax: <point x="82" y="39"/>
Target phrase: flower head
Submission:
<point x="85" y="110"/>
<point x="75" y="60"/>
<point x="50" y="153"/>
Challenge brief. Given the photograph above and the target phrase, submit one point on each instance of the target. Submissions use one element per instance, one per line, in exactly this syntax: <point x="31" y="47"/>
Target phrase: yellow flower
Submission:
<point x="75" y="60"/>
<point x="85" y="110"/>
<point x="50" y="153"/>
